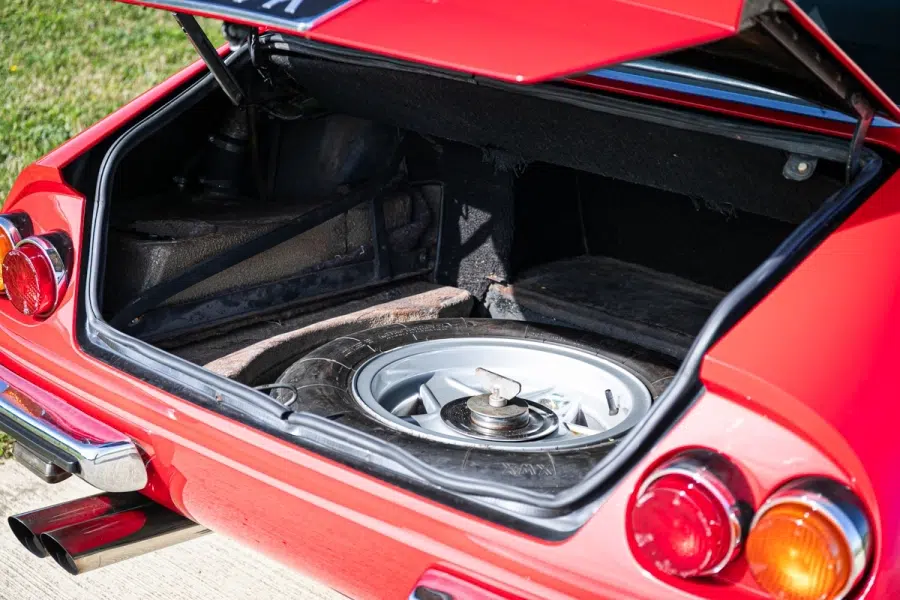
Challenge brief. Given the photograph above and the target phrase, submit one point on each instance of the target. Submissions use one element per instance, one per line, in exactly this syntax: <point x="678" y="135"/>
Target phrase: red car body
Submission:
<point x="804" y="384"/>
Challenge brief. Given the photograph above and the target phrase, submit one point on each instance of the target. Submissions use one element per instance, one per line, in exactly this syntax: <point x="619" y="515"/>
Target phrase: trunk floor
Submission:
<point x="621" y="300"/>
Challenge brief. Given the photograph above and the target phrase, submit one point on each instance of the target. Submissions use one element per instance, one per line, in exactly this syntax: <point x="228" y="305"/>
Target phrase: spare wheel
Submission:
<point x="526" y="404"/>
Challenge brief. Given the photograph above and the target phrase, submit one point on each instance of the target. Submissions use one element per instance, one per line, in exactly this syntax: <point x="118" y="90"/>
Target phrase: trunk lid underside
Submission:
<point x="527" y="43"/>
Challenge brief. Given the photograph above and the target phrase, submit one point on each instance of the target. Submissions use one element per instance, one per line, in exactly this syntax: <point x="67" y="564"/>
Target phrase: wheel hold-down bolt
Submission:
<point x="499" y="415"/>
<point x="500" y="410"/>
<point x="502" y="388"/>
<point x="495" y="399"/>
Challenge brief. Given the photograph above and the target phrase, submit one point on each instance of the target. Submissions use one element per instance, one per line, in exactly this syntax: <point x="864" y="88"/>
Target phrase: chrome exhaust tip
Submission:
<point x="28" y="526"/>
<point x="28" y="538"/>
<point x="96" y="531"/>
<point x="112" y="538"/>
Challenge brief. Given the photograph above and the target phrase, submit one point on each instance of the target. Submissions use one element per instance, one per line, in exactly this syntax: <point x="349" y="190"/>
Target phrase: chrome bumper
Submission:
<point x="57" y="434"/>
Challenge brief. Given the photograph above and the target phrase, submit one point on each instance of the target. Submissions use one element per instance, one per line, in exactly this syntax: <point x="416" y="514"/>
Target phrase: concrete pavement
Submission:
<point x="207" y="568"/>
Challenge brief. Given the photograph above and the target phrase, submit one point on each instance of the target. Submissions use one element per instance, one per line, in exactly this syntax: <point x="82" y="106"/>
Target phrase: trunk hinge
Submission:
<point x="211" y="57"/>
<point x="799" y="43"/>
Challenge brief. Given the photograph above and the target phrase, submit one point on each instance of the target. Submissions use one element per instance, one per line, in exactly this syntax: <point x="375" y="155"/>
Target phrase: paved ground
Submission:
<point x="207" y="568"/>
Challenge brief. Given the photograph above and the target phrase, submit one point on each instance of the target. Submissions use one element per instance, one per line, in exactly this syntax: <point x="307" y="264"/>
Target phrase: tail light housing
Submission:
<point x="14" y="227"/>
<point x="810" y="540"/>
<point x="689" y="518"/>
<point x="35" y="273"/>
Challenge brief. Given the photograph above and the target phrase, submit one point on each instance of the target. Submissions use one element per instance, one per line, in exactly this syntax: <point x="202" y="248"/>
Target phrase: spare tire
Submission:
<point x="372" y="381"/>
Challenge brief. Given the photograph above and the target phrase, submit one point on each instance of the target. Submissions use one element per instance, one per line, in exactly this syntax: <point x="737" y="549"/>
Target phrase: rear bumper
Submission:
<point x="57" y="434"/>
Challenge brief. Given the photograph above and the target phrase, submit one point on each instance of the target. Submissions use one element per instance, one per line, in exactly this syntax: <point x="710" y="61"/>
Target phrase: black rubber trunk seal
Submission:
<point x="350" y="446"/>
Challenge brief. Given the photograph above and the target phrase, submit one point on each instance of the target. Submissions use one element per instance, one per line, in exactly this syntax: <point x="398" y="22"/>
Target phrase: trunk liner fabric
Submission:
<point x="622" y="300"/>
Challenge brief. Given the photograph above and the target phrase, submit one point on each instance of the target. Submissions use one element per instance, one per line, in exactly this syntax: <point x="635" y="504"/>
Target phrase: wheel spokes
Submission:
<point x="427" y="421"/>
<point x="429" y="400"/>
<point x="412" y="387"/>
<point x="461" y="387"/>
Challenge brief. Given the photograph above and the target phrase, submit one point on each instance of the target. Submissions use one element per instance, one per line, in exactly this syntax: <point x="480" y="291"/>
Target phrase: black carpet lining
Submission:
<point x="711" y="169"/>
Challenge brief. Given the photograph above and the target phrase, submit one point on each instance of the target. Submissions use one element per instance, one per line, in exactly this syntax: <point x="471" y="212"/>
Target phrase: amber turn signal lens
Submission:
<point x="808" y="542"/>
<point x="799" y="554"/>
<point x="5" y="246"/>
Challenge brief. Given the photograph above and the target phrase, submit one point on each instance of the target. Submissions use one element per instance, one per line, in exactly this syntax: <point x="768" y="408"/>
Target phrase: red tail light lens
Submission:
<point x="35" y="276"/>
<point x="13" y="227"/>
<point x="29" y="279"/>
<point x="686" y="522"/>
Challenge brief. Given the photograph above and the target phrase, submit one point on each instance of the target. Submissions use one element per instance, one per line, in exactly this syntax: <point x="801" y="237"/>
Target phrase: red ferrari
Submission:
<point x="449" y="299"/>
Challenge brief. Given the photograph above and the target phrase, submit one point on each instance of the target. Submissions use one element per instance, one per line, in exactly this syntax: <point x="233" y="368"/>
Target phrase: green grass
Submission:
<point x="5" y="446"/>
<point x="65" y="64"/>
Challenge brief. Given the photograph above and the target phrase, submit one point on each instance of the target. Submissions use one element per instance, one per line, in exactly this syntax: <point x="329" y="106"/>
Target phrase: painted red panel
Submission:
<point x="527" y="40"/>
<point x="822" y="353"/>
<point x="817" y="356"/>
<point x="515" y="40"/>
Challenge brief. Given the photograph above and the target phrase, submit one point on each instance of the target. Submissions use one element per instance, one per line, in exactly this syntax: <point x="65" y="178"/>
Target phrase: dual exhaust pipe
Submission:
<point x="97" y="531"/>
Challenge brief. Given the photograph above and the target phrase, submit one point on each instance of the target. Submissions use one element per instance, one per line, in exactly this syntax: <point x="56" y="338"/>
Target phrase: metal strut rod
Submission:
<point x="833" y="75"/>
<point x="866" y="114"/>
<point x="211" y="57"/>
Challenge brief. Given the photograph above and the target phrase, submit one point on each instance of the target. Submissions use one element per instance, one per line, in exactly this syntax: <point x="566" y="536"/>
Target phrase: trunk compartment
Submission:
<point x="552" y="205"/>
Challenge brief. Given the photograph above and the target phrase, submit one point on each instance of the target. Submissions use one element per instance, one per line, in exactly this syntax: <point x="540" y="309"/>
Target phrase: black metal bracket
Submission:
<point x="866" y="114"/>
<point x="213" y="61"/>
<point x="380" y="243"/>
<point x="831" y="73"/>
<point x="324" y="211"/>
<point x="172" y="325"/>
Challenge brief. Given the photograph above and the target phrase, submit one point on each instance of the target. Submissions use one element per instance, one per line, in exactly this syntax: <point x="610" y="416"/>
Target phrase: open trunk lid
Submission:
<point x="525" y="41"/>
<point x="529" y="41"/>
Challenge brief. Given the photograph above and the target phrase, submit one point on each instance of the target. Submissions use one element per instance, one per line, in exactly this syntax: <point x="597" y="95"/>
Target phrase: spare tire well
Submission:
<point x="332" y="370"/>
